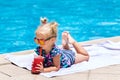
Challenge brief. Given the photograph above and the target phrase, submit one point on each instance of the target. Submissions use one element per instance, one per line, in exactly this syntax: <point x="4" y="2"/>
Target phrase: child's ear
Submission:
<point x="53" y="39"/>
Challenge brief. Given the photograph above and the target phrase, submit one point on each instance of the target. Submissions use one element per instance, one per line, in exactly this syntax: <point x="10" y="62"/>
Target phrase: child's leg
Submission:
<point x="65" y="41"/>
<point x="82" y="54"/>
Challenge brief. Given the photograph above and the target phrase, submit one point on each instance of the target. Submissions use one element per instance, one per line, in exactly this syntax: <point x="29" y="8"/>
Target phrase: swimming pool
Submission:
<point x="85" y="20"/>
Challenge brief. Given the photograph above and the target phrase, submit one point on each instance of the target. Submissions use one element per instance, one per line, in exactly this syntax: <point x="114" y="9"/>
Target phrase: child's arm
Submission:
<point x="56" y="67"/>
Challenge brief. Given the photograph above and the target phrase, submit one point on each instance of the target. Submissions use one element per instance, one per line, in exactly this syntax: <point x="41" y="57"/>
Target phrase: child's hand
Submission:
<point x="40" y="67"/>
<point x="32" y="64"/>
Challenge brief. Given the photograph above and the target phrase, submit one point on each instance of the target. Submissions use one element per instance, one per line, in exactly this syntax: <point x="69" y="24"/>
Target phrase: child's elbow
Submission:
<point x="57" y="68"/>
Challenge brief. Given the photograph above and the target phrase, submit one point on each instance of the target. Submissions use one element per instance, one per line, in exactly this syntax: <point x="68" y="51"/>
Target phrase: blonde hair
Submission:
<point x="48" y="29"/>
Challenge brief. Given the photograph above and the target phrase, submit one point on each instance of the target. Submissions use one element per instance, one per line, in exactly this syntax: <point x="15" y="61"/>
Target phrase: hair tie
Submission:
<point x="43" y="20"/>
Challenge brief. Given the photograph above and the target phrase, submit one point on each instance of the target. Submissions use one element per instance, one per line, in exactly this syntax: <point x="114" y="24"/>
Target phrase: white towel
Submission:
<point x="101" y="55"/>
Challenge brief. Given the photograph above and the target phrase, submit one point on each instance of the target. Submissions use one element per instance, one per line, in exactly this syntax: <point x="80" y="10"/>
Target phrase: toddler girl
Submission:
<point x="55" y="57"/>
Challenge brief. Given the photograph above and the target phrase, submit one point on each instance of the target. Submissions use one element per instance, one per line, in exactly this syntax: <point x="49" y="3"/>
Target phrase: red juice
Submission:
<point x="36" y="61"/>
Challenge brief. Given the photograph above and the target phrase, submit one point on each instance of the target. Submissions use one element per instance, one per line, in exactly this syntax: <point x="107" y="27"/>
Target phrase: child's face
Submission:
<point x="46" y="35"/>
<point x="43" y="41"/>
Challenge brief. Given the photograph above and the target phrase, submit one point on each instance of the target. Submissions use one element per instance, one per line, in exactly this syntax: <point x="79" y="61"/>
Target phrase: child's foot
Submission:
<point x="65" y="41"/>
<point x="70" y="39"/>
<point x="64" y="38"/>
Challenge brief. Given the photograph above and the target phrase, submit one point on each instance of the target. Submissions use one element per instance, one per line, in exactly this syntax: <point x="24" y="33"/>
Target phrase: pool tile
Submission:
<point x="3" y="61"/>
<point x="13" y="70"/>
<point x="114" y="69"/>
<point x="75" y="76"/>
<point x="103" y="76"/>
<point x="3" y="76"/>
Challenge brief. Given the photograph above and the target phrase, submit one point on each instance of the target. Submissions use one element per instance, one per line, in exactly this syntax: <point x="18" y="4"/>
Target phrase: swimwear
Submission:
<point x="67" y="57"/>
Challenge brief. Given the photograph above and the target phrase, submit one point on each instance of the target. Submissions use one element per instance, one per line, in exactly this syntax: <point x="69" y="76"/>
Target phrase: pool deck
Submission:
<point x="9" y="71"/>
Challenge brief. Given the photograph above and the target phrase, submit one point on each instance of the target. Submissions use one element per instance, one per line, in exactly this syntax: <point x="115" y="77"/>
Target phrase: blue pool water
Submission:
<point x="84" y="19"/>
